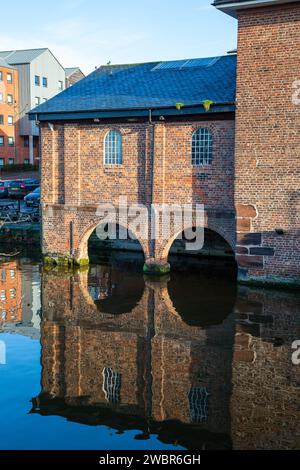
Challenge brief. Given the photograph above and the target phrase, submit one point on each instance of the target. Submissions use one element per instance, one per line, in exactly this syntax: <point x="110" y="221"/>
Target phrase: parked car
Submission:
<point x="33" y="199"/>
<point x="4" y="188"/>
<point x="20" y="188"/>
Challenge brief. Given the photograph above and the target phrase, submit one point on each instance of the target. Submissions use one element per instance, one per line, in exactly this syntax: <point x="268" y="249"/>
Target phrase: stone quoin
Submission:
<point x="249" y="183"/>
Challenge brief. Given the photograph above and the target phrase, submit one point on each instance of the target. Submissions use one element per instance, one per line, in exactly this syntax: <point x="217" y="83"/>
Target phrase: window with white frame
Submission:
<point x="202" y="147"/>
<point x="113" y="148"/>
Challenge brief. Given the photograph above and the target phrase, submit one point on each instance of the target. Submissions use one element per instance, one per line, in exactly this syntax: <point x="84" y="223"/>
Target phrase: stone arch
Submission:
<point x="165" y="246"/>
<point x="81" y="253"/>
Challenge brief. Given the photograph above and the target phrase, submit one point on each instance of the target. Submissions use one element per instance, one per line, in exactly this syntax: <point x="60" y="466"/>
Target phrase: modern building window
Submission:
<point x="11" y="141"/>
<point x="37" y="80"/>
<point x="9" y="78"/>
<point x="10" y="99"/>
<point x="37" y="101"/>
<point x="1" y="139"/>
<point x="1" y="162"/>
<point x="26" y="161"/>
<point x="11" y="161"/>
<point x="198" y="401"/>
<point x="1" y="97"/>
<point x="111" y="385"/>
<point x="10" y="120"/>
<point x="1" y="119"/>
<point x="60" y="85"/>
<point x="1" y="76"/>
<point x="45" y="82"/>
<point x="26" y="141"/>
<point x="202" y="147"/>
<point x="113" y="148"/>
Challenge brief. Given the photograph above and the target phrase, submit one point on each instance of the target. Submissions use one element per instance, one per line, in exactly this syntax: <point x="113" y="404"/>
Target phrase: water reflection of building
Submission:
<point x="157" y="369"/>
<point x="10" y="293"/>
<point x="20" y="303"/>
<point x="31" y="294"/>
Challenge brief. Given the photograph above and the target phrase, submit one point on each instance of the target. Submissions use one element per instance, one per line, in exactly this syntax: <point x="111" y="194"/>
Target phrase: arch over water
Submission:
<point x="219" y="233"/>
<point x="137" y="244"/>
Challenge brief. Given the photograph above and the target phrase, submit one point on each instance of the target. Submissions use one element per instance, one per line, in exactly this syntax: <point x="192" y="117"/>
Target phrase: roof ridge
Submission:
<point x="151" y="62"/>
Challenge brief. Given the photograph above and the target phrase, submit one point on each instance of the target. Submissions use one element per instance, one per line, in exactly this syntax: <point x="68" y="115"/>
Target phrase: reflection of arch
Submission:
<point x="113" y="291"/>
<point x="204" y="303"/>
<point x="165" y="249"/>
<point x="82" y="252"/>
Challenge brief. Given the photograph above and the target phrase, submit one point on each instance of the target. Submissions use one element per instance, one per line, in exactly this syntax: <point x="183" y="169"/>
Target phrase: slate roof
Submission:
<point x="3" y="63"/>
<point x="223" y="2"/>
<point x="248" y="3"/>
<point x="149" y="85"/>
<point x="70" y="70"/>
<point x="22" y="56"/>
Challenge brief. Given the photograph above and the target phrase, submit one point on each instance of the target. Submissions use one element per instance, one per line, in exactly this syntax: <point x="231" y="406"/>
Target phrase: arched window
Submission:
<point x="202" y="147"/>
<point x="113" y="148"/>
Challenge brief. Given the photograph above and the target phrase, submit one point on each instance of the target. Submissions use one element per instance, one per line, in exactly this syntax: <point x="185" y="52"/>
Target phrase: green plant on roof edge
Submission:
<point x="207" y="104"/>
<point x="179" y="106"/>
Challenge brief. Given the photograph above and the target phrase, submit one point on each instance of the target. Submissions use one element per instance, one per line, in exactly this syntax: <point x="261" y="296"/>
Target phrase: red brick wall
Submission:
<point x="75" y="176"/>
<point x="6" y="109"/>
<point x="267" y="165"/>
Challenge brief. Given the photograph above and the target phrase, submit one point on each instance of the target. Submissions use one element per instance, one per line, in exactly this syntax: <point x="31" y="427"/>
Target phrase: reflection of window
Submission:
<point x="12" y="273"/>
<point x="3" y="274"/>
<point x="3" y="295"/>
<point x="13" y="293"/>
<point x="111" y="385"/>
<point x="198" y="400"/>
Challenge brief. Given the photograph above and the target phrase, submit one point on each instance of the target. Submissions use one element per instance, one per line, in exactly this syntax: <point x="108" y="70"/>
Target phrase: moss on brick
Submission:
<point x="81" y="262"/>
<point x="156" y="269"/>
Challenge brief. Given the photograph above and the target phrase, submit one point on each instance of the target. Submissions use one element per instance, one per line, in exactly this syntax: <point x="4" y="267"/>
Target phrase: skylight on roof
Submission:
<point x="185" y="64"/>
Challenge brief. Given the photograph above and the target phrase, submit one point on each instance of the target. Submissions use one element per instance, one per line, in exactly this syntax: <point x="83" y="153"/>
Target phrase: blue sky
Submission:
<point x="88" y="33"/>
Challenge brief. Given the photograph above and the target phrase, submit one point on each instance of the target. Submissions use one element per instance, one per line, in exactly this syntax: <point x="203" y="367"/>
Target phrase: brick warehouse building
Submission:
<point x="239" y="157"/>
<point x="9" y="109"/>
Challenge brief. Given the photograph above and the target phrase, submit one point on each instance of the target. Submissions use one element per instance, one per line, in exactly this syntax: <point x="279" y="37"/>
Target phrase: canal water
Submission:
<point x="109" y="359"/>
